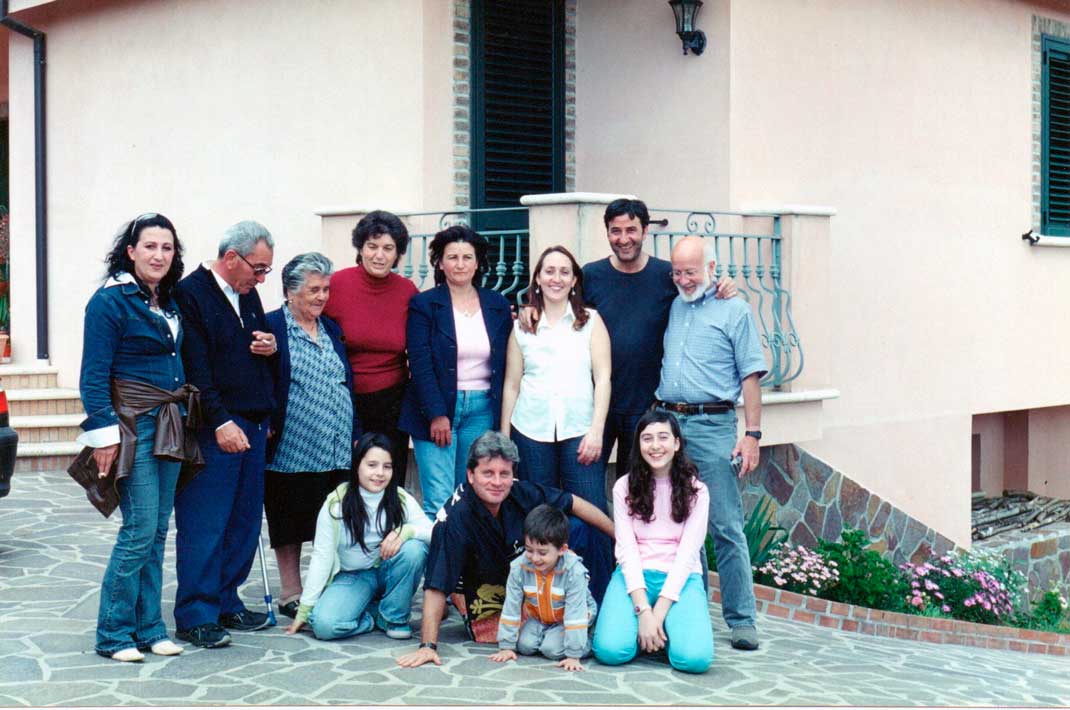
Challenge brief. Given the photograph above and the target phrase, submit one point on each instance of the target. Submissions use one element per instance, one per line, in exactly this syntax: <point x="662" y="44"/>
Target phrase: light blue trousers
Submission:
<point x="690" y="645"/>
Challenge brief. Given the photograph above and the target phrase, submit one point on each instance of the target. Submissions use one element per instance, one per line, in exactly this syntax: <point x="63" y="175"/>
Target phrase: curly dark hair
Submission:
<point x="376" y="224"/>
<point x="459" y="233"/>
<point x="119" y="261"/>
<point x="682" y="473"/>
<point x="355" y="515"/>
<point x="575" y="299"/>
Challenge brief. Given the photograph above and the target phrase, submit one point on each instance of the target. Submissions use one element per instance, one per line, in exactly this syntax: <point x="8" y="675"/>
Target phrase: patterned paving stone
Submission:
<point x="54" y="548"/>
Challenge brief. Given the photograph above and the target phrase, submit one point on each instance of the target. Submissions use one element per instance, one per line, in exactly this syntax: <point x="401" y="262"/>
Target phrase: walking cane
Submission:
<point x="267" y="590"/>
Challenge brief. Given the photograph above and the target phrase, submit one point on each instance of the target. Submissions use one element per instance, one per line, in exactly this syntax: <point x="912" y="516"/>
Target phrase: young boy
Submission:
<point x="550" y="583"/>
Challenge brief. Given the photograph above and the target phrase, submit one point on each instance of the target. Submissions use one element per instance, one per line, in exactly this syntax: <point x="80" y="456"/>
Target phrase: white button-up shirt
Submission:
<point x="556" y="400"/>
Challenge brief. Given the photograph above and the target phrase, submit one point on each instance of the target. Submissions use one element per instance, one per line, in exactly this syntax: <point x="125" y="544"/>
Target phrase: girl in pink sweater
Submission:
<point x="656" y="598"/>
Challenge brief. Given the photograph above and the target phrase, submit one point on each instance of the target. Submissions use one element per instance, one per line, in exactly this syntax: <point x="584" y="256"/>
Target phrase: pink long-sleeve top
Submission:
<point x="662" y="544"/>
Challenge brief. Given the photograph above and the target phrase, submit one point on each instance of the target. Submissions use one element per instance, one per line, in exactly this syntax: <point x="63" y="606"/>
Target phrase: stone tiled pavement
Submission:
<point x="54" y="546"/>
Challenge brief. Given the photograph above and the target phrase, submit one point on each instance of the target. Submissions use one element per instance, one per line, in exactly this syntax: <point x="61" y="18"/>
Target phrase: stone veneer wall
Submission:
<point x="1043" y="555"/>
<point x="815" y="501"/>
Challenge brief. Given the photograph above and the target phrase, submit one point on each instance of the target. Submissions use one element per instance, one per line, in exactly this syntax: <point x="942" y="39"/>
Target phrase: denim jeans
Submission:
<point x="690" y="646"/>
<point x="619" y="430"/>
<point x="217" y="519"/>
<point x="442" y="468"/>
<point x="554" y="464"/>
<point x="710" y="439"/>
<point x="130" y="594"/>
<point x="345" y="608"/>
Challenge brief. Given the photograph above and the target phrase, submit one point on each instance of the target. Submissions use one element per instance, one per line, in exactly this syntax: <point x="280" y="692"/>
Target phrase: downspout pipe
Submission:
<point x="39" y="164"/>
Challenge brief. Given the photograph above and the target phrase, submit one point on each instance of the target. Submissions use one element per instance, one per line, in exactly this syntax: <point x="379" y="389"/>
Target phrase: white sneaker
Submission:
<point x="166" y="647"/>
<point x="128" y="655"/>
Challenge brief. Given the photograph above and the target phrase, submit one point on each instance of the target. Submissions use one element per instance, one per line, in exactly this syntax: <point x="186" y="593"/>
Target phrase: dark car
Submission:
<point x="9" y="443"/>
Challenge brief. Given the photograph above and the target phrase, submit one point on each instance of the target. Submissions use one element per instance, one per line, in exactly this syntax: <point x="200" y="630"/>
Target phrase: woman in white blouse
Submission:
<point x="556" y="397"/>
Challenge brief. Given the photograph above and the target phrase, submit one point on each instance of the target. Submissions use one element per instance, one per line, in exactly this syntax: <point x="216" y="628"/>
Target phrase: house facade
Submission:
<point x="905" y="147"/>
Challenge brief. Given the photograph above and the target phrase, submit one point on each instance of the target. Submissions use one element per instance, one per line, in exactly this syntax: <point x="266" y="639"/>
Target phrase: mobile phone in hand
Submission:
<point x="737" y="463"/>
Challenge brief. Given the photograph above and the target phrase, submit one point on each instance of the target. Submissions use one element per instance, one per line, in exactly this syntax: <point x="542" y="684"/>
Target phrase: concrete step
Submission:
<point x="46" y="428"/>
<point x="42" y="401"/>
<point x="52" y="456"/>
<point x="27" y="376"/>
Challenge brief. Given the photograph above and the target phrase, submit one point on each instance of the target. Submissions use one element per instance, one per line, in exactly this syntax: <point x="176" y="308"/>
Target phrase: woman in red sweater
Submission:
<point x="371" y="303"/>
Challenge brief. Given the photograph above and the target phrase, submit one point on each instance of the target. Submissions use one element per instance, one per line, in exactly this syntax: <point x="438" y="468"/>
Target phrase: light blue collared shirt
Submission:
<point x="711" y="346"/>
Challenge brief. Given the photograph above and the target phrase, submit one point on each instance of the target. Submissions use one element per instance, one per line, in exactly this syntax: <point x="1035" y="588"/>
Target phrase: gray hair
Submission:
<point x="492" y="445"/>
<point x="299" y="268"/>
<point x="243" y="237"/>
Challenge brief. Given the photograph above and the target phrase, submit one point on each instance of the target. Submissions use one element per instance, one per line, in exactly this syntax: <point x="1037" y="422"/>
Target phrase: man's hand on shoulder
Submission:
<point x="726" y="287"/>
<point x="527" y="319"/>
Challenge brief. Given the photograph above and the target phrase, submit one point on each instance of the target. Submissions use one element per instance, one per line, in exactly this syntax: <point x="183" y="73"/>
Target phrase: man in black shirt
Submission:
<point x="632" y="292"/>
<point x="478" y="532"/>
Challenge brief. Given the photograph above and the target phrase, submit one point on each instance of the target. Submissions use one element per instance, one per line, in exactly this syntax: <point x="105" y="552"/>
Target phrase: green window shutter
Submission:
<point x="517" y="100"/>
<point x="1055" y="140"/>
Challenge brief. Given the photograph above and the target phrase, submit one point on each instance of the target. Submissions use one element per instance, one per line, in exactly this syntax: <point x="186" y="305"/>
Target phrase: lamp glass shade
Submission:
<point x="685" y="12"/>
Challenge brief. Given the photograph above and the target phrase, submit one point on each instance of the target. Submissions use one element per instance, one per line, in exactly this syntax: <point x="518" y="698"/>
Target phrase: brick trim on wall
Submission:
<point x="804" y="609"/>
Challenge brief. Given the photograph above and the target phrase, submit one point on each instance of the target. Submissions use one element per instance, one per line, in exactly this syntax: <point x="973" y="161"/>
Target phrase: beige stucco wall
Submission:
<point x="211" y="112"/>
<point x="913" y="120"/>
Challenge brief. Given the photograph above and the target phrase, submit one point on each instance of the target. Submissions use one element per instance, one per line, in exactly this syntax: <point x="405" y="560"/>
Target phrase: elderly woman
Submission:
<point x="313" y="426"/>
<point x="371" y="304"/>
<point x="457" y="338"/>
<point x="131" y="375"/>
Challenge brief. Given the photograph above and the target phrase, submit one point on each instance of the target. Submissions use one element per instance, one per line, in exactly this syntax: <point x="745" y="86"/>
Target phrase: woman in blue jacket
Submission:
<point x="131" y="339"/>
<point x="456" y="338"/>
<point x="314" y="426"/>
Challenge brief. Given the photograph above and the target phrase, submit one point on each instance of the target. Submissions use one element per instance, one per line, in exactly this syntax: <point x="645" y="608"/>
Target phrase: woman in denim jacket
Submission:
<point x="132" y="332"/>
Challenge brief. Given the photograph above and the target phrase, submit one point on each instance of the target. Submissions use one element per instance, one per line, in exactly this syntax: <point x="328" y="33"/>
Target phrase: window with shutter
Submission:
<point x="1055" y="141"/>
<point x="518" y="141"/>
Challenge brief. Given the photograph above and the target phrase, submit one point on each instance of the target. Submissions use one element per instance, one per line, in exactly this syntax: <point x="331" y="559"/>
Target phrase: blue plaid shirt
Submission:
<point x="711" y="346"/>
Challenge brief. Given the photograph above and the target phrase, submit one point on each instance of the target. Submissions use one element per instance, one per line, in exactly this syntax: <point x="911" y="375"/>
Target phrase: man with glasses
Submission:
<point x="226" y="348"/>
<point x="712" y="355"/>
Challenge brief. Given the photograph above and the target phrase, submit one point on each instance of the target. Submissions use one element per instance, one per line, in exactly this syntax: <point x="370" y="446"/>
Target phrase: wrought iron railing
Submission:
<point x="504" y="228"/>
<point x="753" y="259"/>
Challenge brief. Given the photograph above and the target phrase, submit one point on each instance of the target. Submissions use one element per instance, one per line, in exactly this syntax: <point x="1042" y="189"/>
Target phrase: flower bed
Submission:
<point x="800" y="608"/>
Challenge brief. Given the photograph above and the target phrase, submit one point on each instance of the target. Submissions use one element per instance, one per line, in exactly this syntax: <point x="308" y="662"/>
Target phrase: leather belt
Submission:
<point x="718" y="407"/>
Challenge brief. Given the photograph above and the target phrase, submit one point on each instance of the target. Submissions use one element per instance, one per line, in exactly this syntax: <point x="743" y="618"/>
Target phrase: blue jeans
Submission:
<point x="554" y="464"/>
<point x="619" y="430"/>
<point x="442" y="468"/>
<point x="344" y="608"/>
<point x="710" y="439"/>
<point x="130" y="594"/>
<point x="217" y="518"/>
<point x="616" y="634"/>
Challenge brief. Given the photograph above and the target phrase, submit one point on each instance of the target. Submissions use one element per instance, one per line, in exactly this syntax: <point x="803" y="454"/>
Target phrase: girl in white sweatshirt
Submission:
<point x="369" y="552"/>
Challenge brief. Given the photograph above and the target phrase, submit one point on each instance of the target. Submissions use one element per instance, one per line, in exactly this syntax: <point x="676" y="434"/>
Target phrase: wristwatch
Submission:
<point x="429" y="644"/>
<point x="756" y="433"/>
<point x="640" y="609"/>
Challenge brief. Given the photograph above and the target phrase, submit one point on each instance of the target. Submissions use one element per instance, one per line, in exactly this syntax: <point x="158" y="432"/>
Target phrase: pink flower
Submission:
<point x="946" y="609"/>
<point x="917" y="601"/>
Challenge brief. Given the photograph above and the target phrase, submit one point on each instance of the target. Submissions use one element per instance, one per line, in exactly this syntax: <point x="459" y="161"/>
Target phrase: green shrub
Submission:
<point x="865" y="577"/>
<point x="1049" y="613"/>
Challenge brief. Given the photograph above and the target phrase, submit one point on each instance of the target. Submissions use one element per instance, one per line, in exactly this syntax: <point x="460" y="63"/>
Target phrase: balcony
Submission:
<point x="777" y="255"/>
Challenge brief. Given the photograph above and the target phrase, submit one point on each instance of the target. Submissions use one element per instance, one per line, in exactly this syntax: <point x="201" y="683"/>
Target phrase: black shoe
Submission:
<point x="245" y="620"/>
<point x="289" y="608"/>
<point x="205" y="636"/>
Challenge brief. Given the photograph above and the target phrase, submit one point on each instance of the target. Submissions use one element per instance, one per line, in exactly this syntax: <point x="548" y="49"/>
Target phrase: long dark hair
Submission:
<point x="682" y="473"/>
<point x="575" y="298"/>
<point x="391" y="513"/>
<point x="119" y="261"/>
<point x="459" y="233"/>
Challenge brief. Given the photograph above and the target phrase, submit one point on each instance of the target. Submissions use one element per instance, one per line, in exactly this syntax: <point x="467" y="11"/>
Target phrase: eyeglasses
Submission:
<point x="258" y="270"/>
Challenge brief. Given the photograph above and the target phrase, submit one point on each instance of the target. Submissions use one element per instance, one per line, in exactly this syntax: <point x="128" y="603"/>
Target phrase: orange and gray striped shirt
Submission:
<point x="560" y="596"/>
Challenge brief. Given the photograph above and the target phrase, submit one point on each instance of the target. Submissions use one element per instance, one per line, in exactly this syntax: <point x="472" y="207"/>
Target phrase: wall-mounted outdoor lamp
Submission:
<point x="686" y="11"/>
